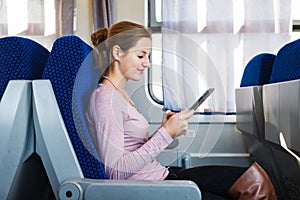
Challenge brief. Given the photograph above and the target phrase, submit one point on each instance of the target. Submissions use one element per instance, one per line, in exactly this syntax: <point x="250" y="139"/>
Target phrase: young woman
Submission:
<point x="118" y="129"/>
<point x="120" y="132"/>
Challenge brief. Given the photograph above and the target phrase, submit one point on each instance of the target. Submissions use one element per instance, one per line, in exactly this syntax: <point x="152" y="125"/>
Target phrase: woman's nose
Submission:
<point x="146" y="62"/>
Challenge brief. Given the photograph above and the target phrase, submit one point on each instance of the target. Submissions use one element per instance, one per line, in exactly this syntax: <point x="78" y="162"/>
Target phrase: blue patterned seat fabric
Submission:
<point x="20" y="58"/>
<point x="67" y="55"/>
<point x="287" y="63"/>
<point x="258" y="70"/>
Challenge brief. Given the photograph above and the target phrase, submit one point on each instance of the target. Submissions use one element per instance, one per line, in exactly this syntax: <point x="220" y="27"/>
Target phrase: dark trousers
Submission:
<point x="210" y="179"/>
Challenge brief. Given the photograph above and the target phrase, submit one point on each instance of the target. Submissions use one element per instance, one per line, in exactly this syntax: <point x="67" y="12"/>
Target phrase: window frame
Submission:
<point x="153" y="24"/>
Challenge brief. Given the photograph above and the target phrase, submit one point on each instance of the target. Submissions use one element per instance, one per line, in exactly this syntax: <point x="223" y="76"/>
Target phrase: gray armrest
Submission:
<point x="52" y="141"/>
<point x="119" y="190"/>
<point x="15" y="127"/>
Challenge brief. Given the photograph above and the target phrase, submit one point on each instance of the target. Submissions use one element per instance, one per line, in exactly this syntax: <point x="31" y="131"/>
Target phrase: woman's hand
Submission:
<point x="166" y="116"/>
<point x="177" y="123"/>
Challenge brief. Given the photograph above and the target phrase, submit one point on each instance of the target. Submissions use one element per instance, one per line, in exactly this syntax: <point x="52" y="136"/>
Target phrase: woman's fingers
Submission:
<point x="164" y="117"/>
<point x="186" y="114"/>
<point x="170" y="114"/>
<point x="177" y="123"/>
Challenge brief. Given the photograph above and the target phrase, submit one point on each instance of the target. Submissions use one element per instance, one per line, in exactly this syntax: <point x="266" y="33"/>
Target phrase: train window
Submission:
<point x="155" y="14"/>
<point x="230" y="60"/>
<point x="296" y="15"/>
<point x="155" y="72"/>
<point x="40" y="20"/>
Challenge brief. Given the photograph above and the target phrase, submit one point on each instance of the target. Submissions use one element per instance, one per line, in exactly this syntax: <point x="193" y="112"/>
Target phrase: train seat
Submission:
<point x="250" y="115"/>
<point x="21" y="60"/>
<point x="281" y="112"/>
<point x="249" y="96"/>
<point x="62" y="140"/>
<point x="67" y="54"/>
<point x="281" y="97"/>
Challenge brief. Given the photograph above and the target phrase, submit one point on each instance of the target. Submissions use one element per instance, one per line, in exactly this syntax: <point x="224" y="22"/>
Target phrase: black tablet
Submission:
<point x="206" y="94"/>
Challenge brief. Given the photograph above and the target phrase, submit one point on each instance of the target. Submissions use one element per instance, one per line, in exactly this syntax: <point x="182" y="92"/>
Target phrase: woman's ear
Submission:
<point x="116" y="52"/>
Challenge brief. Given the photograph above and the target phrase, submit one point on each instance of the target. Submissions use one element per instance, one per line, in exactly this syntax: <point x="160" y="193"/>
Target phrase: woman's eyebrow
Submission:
<point x="144" y="52"/>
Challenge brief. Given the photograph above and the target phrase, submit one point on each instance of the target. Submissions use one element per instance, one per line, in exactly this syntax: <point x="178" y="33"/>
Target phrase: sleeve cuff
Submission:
<point x="165" y="135"/>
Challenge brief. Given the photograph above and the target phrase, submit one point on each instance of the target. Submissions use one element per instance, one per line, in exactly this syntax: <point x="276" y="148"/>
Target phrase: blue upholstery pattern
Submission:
<point x="287" y="63"/>
<point x="67" y="55"/>
<point x="20" y="58"/>
<point x="258" y="70"/>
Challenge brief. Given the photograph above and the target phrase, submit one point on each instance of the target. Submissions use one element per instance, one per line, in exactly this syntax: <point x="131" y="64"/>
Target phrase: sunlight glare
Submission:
<point x="17" y="24"/>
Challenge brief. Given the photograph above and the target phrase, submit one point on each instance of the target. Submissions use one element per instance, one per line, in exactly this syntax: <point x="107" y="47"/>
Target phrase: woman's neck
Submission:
<point x="114" y="81"/>
<point x="115" y="76"/>
<point x="109" y="81"/>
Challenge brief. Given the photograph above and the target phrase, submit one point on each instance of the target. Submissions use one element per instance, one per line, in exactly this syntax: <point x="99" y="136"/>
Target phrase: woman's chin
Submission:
<point x="136" y="78"/>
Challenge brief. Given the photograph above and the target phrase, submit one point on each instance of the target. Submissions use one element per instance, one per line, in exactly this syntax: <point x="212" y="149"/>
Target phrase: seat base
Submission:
<point x="32" y="181"/>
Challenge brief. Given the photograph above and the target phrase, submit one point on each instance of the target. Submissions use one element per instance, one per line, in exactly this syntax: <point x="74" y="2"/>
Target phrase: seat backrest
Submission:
<point x="249" y="106"/>
<point x="258" y="70"/>
<point x="86" y="81"/>
<point x="20" y="58"/>
<point x="67" y="55"/>
<point x="250" y="116"/>
<point x="281" y="109"/>
<point x="287" y="63"/>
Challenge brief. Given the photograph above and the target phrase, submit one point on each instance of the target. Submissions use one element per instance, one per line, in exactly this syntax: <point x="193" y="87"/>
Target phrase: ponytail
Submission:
<point x="99" y="36"/>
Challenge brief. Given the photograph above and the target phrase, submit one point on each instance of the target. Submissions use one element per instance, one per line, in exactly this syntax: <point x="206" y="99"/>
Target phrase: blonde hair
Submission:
<point x="124" y="33"/>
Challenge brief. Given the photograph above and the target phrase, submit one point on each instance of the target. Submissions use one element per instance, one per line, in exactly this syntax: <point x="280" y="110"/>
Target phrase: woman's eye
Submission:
<point x="140" y="57"/>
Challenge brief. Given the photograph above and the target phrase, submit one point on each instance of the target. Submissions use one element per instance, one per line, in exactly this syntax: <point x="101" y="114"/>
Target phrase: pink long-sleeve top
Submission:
<point x="120" y="134"/>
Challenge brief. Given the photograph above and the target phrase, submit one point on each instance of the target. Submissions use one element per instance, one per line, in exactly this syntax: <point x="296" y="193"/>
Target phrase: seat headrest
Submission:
<point x="258" y="70"/>
<point x="20" y="58"/>
<point x="287" y="63"/>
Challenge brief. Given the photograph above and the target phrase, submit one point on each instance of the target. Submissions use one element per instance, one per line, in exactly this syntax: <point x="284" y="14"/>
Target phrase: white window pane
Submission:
<point x="17" y="23"/>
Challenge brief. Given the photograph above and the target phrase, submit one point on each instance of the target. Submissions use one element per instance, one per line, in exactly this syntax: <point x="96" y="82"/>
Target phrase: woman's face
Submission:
<point x="136" y="60"/>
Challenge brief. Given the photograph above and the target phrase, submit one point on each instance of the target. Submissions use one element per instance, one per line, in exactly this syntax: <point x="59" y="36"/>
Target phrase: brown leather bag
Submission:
<point x="254" y="184"/>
